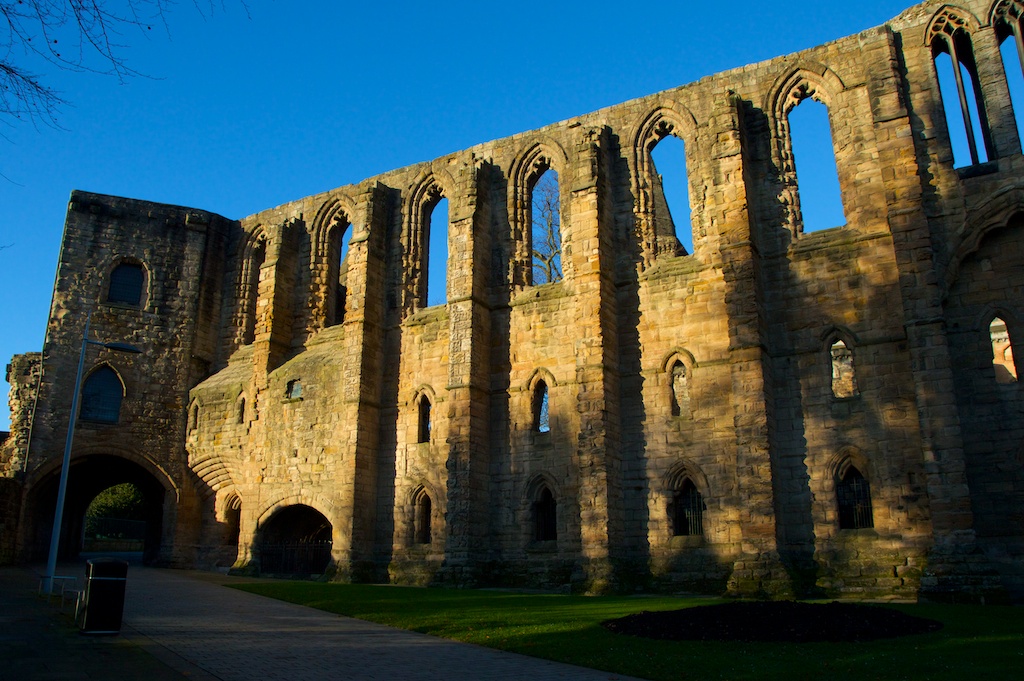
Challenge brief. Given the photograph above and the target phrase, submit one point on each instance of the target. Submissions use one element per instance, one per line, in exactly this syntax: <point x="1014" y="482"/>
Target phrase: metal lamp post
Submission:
<point x="58" y="516"/>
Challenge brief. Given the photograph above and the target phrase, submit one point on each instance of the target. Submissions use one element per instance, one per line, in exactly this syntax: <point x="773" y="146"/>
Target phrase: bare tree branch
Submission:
<point x="546" y="233"/>
<point x="71" y="35"/>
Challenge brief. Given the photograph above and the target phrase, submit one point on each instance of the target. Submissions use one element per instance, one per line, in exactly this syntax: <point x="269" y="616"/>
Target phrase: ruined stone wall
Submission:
<point x="175" y="248"/>
<point x="23" y="374"/>
<point x="707" y="411"/>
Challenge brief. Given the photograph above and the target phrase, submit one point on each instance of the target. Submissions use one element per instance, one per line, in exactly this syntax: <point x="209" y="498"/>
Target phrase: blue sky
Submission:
<point x="241" y="113"/>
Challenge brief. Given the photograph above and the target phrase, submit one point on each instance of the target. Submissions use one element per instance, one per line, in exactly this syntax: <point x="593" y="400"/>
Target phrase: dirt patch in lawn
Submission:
<point x="787" y="621"/>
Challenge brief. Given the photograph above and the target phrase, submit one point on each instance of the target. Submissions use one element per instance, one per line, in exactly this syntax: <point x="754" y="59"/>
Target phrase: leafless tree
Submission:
<point x="547" y="232"/>
<point x="73" y="35"/>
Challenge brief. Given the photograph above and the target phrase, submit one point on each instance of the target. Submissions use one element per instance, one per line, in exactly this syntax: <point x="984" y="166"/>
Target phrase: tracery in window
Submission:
<point x="844" y="378"/>
<point x="1002" y="352"/>
<point x="102" y="393"/>
<point x="126" y="282"/>
<point x="960" y="90"/>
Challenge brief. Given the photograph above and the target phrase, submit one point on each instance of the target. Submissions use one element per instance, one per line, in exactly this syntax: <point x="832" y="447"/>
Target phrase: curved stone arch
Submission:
<point x="538" y="154"/>
<point x="150" y="466"/>
<point x="540" y="374"/>
<point x="841" y="461"/>
<point x="105" y="364"/>
<point x="334" y="210"/>
<point x="425" y="192"/>
<point x="335" y="214"/>
<point x="213" y="469"/>
<point x="421" y="484"/>
<point x="247" y="282"/>
<point x="1005" y="11"/>
<point x="809" y="80"/>
<point x="534" y="484"/>
<point x="682" y="470"/>
<point x="1004" y="210"/>
<point x="983" y="320"/>
<point x="677" y="386"/>
<point x="681" y="354"/>
<point x="838" y="333"/>
<point x="146" y="293"/>
<point x="950" y="18"/>
<point x="665" y="118"/>
<point x="423" y="389"/>
<point x="318" y="502"/>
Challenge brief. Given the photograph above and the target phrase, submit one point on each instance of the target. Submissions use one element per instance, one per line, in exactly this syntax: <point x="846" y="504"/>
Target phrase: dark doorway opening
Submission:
<point x="295" y="541"/>
<point x="88" y="478"/>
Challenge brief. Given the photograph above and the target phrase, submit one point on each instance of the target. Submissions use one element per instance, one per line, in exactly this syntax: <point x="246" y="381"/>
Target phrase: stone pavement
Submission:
<point x="193" y="627"/>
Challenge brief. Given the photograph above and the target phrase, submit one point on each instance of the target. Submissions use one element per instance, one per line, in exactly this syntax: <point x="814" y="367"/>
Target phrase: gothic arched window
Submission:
<point x="101" y="396"/>
<point x="853" y="496"/>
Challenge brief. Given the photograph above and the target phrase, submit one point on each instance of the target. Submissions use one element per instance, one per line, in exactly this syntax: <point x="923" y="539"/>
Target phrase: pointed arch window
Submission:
<point x="687" y="510"/>
<point x="435" y="251"/>
<point x="545" y="515"/>
<point x="960" y="90"/>
<point x="424" y="424"/>
<point x="249" y="292"/>
<point x="337" y="271"/>
<point x="844" y="379"/>
<point x="126" y="284"/>
<point x="421" y="517"/>
<point x="240" y="411"/>
<point x="1002" y="352"/>
<point x="1008" y="19"/>
<point x="814" y="164"/>
<point x="102" y="393"/>
<point x="680" y="389"/>
<point x="853" y="496"/>
<point x="670" y="188"/>
<point x="541" y="413"/>
<point x="546" y="229"/>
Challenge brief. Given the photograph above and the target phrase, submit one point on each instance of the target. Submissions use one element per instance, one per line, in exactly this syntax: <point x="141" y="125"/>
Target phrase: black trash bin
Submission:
<point x="105" y="580"/>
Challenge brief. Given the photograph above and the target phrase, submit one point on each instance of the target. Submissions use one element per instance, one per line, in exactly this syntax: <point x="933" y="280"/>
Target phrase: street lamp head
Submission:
<point x="122" y="347"/>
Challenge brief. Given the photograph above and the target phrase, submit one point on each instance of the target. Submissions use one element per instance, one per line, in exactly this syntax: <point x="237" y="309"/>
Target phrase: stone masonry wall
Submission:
<point x="698" y="437"/>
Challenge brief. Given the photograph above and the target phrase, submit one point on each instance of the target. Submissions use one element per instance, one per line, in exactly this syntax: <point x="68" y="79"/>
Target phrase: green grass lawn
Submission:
<point x="977" y="643"/>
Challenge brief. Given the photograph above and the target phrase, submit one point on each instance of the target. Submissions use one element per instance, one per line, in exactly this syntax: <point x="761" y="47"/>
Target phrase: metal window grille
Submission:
<point x="688" y="511"/>
<point x="295" y="558"/>
<point x="126" y="284"/>
<point x="854" y="496"/>
<point x="101" y="397"/>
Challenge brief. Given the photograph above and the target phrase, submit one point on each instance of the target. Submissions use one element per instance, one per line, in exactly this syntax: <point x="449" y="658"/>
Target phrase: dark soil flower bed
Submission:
<point x="787" y="621"/>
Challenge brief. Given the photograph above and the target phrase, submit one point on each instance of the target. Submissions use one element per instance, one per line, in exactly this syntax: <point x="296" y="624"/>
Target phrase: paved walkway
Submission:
<point x="193" y="627"/>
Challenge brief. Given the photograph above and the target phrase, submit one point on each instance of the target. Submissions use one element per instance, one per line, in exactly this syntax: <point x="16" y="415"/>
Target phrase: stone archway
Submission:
<point x="295" y="540"/>
<point x="89" y="476"/>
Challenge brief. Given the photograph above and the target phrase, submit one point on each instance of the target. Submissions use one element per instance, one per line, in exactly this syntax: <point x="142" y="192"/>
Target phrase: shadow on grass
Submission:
<point x="979" y="642"/>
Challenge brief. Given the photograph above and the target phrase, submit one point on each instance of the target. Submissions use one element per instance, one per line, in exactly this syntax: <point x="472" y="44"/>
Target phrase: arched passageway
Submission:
<point x="295" y="540"/>
<point x="88" y="477"/>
